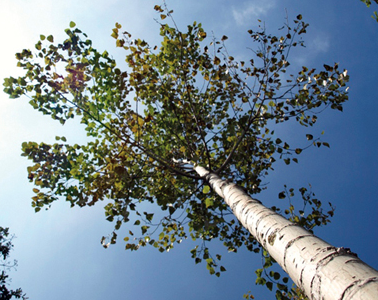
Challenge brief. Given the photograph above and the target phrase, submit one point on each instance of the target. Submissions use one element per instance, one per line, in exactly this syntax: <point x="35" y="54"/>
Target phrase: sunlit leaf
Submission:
<point x="206" y="189"/>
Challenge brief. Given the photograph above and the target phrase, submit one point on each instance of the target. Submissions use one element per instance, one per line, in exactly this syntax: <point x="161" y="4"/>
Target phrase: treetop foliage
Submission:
<point x="185" y="102"/>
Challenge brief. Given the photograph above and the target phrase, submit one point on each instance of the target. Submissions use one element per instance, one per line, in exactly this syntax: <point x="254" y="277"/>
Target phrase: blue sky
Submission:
<point x="59" y="251"/>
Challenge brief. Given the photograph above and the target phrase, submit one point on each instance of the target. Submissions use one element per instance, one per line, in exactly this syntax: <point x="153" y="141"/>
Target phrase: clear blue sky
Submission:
<point x="59" y="251"/>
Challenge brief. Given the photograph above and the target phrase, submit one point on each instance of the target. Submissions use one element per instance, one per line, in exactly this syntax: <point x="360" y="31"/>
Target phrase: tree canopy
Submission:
<point x="183" y="103"/>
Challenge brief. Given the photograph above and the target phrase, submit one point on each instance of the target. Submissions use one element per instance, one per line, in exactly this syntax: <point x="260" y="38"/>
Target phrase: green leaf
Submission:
<point x="149" y="217"/>
<point x="72" y="24"/>
<point x="208" y="202"/>
<point x="206" y="189"/>
<point x="50" y="38"/>
<point x="144" y="229"/>
<point x="42" y="37"/>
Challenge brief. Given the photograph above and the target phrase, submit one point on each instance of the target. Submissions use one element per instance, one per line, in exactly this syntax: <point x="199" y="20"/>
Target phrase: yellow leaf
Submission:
<point x="202" y="34"/>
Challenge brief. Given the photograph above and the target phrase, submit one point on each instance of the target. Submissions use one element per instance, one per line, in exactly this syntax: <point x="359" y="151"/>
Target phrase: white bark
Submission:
<point x="321" y="270"/>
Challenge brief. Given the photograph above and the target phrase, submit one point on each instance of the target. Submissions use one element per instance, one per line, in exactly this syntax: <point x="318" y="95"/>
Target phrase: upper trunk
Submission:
<point x="321" y="270"/>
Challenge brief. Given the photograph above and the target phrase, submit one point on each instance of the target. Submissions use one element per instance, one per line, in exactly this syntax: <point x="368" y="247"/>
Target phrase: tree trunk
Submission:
<point x="321" y="270"/>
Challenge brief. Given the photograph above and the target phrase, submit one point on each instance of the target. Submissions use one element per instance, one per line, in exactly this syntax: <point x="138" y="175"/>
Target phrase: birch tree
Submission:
<point x="179" y="107"/>
<point x="321" y="270"/>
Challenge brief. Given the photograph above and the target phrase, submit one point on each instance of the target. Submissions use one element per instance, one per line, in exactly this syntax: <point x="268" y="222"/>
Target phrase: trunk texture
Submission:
<point x="321" y="270"/>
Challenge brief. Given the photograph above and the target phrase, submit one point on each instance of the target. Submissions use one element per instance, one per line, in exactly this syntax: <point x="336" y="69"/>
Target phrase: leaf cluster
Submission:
<point x="5" y="248"/>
